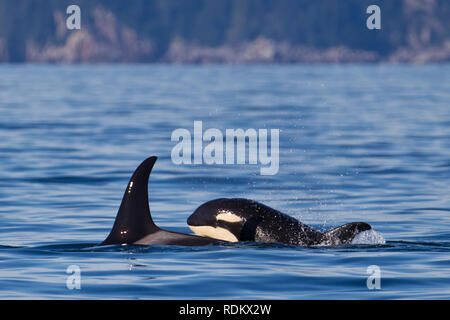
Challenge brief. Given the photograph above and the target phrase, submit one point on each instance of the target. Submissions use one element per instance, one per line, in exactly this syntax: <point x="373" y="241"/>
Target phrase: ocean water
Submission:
<point x="357" y="143"/>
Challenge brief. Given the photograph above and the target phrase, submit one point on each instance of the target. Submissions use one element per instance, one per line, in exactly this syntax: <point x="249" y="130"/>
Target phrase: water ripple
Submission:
<point x="374" y="150"/>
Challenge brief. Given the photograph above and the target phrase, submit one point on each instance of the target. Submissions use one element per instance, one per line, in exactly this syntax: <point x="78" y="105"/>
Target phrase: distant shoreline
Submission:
<point x="83" y="47"/>
<point x="212" y="64"/>
<point x="411" y="32"/>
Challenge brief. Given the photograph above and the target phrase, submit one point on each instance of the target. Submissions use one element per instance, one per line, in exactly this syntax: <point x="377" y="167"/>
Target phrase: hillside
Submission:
<point x="225" y="31"/>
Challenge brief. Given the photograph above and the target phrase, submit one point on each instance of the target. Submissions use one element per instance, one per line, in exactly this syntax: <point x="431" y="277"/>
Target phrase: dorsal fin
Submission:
<point x="345" y="233"/>
<point x="134" y="221"/>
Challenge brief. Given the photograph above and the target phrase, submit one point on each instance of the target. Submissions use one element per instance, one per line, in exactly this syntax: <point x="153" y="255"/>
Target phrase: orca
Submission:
<point x="134" y="223"/>
<point x="238" y="219"/>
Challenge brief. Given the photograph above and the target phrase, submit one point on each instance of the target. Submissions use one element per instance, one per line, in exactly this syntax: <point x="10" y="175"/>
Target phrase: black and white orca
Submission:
<point x="236" y="220"/>
<point x="134" y="224"/>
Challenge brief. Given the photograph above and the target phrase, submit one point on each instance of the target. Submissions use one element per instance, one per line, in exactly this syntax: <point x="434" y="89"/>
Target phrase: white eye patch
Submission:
<point x="228" y="216"/>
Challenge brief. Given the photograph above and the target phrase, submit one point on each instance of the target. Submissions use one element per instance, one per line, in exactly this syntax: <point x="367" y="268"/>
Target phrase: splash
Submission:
<point x="369" y="237"/>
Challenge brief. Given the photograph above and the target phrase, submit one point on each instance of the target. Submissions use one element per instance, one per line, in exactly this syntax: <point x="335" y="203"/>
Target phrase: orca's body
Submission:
<point x="134" y="224"/>
<point x="246" y="220"/>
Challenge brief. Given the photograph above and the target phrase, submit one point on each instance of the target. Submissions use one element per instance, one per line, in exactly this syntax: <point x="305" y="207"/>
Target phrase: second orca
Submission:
<point x="247" y="220"/>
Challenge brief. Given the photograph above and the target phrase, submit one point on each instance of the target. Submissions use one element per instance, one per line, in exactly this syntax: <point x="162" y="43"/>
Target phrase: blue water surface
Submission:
<point x="357" y="143"/>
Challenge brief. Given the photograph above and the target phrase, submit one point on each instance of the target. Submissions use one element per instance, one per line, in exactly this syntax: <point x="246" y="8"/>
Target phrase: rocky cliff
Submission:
<point x="225" y="31"/>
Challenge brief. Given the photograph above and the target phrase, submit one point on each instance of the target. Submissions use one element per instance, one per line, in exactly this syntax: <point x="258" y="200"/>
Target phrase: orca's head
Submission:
<point x="216" y="220"/>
